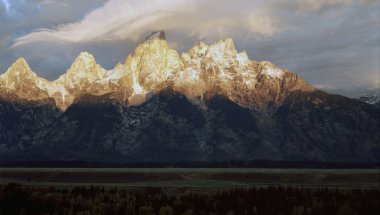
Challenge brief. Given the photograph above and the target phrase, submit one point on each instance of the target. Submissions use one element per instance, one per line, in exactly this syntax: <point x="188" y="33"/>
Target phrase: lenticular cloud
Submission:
<point x="117" y="19"/>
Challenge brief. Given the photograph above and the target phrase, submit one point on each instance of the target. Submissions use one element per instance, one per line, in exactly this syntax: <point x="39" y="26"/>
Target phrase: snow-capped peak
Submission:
<point x="18" y="74"/>
<point x="24" y="82"/>
<point x="84" y="63"/>
<point x="84" y="70"/>
<point x="204" y="71"/>
<point x="216" y="66"/>
<point x="20" y="68"/>
<point x="21" y="62"/>
<point x="152" y="63"/>
<point x="86" y="59"/>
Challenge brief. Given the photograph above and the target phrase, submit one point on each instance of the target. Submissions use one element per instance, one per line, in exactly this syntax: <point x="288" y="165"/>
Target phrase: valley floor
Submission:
<point x="210" y="178"/>
<point x="189" y="191"/>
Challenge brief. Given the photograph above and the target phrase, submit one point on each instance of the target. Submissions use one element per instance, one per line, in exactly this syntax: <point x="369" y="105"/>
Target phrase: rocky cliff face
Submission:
<point x="209" y="104"/>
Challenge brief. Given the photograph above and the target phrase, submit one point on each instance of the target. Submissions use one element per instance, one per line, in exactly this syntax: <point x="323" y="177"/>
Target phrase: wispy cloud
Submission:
<point x="54" y="3"/>
<point x="262" y="23"/>
<point x="317" y="5"/>
<point x="120" y="19"/>
<point x="6" y="4"/>
<point x="117" y="19"/>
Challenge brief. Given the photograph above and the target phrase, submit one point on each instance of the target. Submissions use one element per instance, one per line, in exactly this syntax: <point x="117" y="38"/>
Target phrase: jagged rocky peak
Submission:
<point x="223" y="46"/>
<point x="85" y="64"/>
<point x="20" y="80"/>
<point x="153" y="63"/>
<point x="215" y="69"/>
<point x="86" y="59"/>
<point x="18" y="76"/>
<point x="202" y="72"/>
<point x="82" y="73"/>
<point x="219" y="69"/>
<point x="19" y="70"/>
<point x="156" y="35"/>
<point x="222" y="53"/>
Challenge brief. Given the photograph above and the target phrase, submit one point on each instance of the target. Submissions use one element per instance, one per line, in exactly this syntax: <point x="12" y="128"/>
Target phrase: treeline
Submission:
<point x="193" y="164"/>
<point x="16" y="199"/>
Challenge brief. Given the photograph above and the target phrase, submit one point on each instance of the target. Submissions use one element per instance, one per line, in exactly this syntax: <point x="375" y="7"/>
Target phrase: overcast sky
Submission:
<point x="333" y="44"/>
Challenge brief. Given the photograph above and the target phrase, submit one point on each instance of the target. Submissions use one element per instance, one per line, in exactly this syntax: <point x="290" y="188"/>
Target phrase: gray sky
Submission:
<point x="333" y="44"/>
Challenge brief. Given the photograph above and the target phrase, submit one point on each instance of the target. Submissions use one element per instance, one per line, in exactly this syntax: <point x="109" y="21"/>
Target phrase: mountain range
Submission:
<point x="209" y="104"/>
